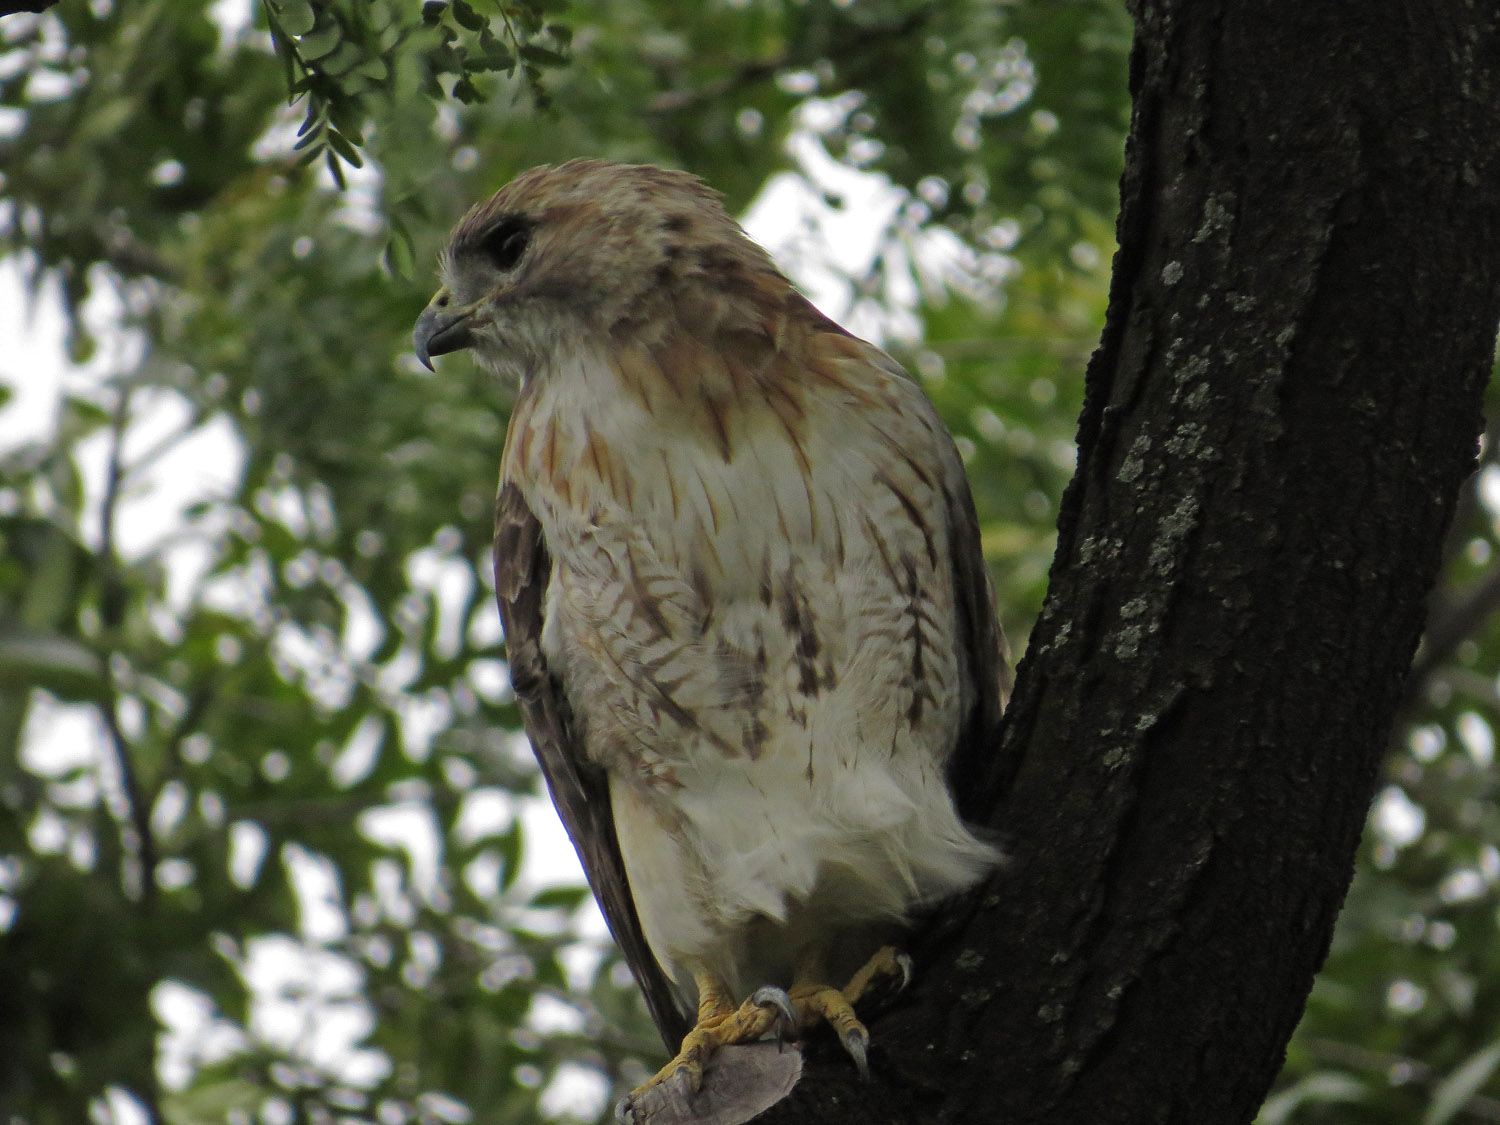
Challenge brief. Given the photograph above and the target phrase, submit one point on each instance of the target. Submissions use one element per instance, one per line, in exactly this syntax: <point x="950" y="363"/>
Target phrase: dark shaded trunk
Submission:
<point x="1283" y="407"/>
<point x="11" y="7"/>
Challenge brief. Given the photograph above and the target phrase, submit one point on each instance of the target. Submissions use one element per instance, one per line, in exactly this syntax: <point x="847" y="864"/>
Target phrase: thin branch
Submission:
<point x="757" y="70"/>
<point x="1457" y="621"/>
<point x="679" y="101"/>
<point x="112" y="598"/>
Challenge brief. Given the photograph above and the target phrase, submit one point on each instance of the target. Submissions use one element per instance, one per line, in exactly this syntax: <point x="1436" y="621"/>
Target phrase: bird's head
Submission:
<point x="589" y="252"/>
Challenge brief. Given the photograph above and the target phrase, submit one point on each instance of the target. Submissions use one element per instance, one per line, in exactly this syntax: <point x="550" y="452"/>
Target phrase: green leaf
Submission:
<point x="312" y="136"/>
<point x="335" y="169"/>
<point x="493" y="60"/>
<point x="467" y="17"/>
<point x="60" y="664"/>
<point x="342" y="146"/>
<point x="318" y="44"/>
<point x="1452" y="1093"/>
<point x="375" y="70"/>
<point x="297" y="16"/>
<point x="542" y="56"/>
<point x="1321" y="1088"/>
<point x="567" y="898"/>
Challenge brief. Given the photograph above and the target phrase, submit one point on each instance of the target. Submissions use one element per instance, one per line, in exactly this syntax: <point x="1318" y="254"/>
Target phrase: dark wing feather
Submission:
<point x="972" y="769"/>
<point x="579" y="790"/>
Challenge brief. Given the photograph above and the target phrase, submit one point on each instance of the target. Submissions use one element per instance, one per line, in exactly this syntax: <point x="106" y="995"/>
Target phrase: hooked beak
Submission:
<point x="440" y="330"/>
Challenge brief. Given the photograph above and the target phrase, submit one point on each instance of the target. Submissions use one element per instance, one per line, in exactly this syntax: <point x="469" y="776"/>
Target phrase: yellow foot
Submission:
<point x="719" y="1025"/>
<point x="816" y="1002"/>
<point x="884" y="974"/>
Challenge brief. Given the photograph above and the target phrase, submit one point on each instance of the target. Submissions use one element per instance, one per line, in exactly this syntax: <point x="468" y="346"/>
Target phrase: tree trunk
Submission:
<point x="1280" y="414"/>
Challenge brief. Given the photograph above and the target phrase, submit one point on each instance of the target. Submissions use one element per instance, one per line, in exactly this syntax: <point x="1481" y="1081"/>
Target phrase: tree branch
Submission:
<point x="757" y="70"/>
<point x="112" y="607"/>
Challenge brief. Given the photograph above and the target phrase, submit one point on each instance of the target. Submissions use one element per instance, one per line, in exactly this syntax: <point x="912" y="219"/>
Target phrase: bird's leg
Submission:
<point x="815" y="1000"/>
<point x="719" y="1024"/>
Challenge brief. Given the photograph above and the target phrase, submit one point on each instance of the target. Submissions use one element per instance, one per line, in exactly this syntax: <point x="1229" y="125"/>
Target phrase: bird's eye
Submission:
<point x="506" y="242"/>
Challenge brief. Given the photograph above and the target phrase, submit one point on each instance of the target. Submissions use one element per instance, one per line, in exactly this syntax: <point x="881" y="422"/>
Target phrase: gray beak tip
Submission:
<point x="439" y="332"/>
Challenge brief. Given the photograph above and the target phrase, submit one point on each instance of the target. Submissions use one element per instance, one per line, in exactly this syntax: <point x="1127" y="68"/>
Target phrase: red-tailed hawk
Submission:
<point x="743" y="597"/>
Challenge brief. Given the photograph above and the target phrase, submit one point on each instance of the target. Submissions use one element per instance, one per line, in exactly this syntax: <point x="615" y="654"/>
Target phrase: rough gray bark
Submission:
<point x="1282" y="409"/>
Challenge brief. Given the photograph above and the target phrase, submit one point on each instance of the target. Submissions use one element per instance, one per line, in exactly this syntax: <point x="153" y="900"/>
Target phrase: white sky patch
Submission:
<point x="32" y="370"/>
<point x="118" y="1107"/>
<point x="490" y="680"/>
<point x="171" y="463"/>
<point x="549" y="859"/>
<point x="580" y="960"/>
<point x="235" y="19"/>
<point x="1398" y="820"/>
<point x="193" y="1034"/>
<point x="60" y="737"/>
<point x="363" y="631"/>
<point x="484" y="626"/>
<point x="576" y="1092"/>
<point x="248" y="844"/>
<point x="550" y="1014"/>
<point x="360" y="753"/>
<point x="1489" y="491"/>
<point x="1478" y="738"/>
<point x="308" y="1002"/>
<point x="1463" y="885"/>
<point x="449" y="581"/>
<point x="422" y="718"/>
<point x="483" y="814"/>
<point x="170" y="806"/>
<point x="409" y="827"/>
<point x="315" y="882"/>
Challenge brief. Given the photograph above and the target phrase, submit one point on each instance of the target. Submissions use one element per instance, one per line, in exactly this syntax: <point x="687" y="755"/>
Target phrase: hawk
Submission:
<point x="745" y="608"/>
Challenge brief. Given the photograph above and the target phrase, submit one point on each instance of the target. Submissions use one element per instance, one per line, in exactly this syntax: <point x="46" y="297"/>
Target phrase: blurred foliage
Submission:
<point x="265" y="817"/>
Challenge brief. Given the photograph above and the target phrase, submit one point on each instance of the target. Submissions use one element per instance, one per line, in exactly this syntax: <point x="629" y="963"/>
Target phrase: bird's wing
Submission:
<point x="579" y="790"/>
<point x="984" y="652"/>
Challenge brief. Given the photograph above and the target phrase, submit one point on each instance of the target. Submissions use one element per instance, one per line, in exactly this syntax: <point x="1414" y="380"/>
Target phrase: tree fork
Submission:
<point x="1283" y="406"/>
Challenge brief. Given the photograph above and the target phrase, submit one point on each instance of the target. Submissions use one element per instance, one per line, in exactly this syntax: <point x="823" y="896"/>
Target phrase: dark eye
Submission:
<point x="506" y="242"/>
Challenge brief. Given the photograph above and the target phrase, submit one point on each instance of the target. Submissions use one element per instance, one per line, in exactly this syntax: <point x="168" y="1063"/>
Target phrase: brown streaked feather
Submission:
<point x="578" y="789"/>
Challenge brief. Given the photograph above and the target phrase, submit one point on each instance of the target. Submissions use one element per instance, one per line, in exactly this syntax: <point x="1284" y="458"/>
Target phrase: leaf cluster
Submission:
<point x="339" y="54"/>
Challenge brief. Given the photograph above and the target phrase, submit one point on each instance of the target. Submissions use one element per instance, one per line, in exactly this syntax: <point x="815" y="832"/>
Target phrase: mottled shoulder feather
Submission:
<point x="579" y="790"/>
